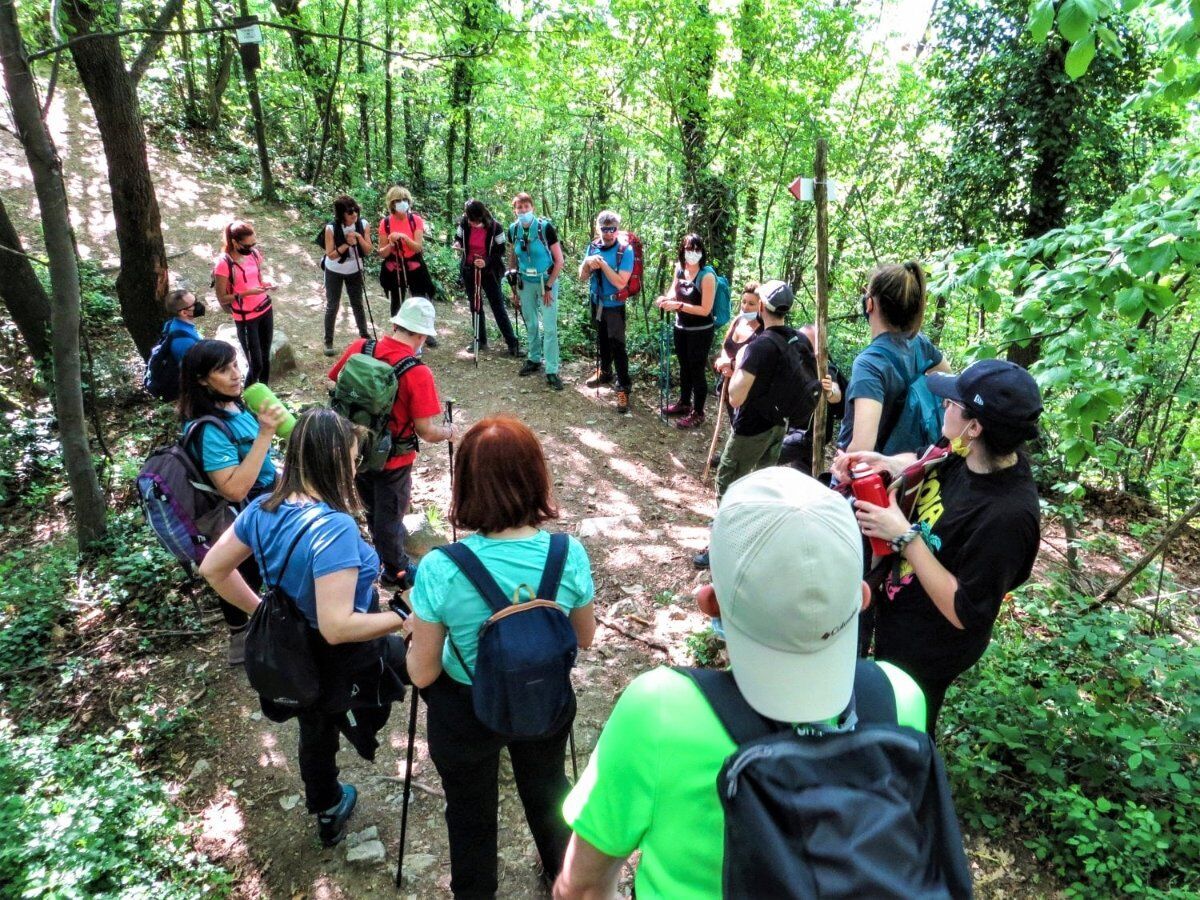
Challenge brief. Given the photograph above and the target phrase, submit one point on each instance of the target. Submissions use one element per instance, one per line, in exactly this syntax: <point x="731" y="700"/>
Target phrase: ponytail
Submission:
<point x="236" y="231"/>
<point x="899" y="290"/>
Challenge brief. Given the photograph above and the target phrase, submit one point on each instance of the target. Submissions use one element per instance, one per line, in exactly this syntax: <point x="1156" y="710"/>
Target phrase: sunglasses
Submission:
<point x="608" y="229"/>
<point x="947" y="403"/>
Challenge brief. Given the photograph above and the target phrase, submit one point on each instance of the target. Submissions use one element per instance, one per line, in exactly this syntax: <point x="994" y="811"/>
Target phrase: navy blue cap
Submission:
<point x="1000" y="394"/>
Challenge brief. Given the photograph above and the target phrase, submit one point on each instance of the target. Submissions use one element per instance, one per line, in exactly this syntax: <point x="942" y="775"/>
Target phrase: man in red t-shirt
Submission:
<point x="386" y="493"/>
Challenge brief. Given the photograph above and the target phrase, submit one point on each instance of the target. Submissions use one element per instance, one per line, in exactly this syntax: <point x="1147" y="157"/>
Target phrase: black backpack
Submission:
<point x="792" y="394"/>
<point x="521" y="686"/>
<point x="339" y="235"/>
<point x="162" y="370"/>
<point x="817" y="811"/>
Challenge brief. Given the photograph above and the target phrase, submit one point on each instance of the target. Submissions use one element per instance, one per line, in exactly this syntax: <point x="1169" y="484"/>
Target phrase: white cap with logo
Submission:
<point x="417" y="316"/>
<point x="786" y="557"/>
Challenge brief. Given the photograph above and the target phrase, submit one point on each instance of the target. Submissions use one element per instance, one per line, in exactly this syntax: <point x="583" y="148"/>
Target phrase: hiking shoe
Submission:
<point x="431" y="342"/>
<point x="530" y="367"/>
<point x="622" y="402"/>
<point x="679" y="408"/>
<point x="700" y="560"/>
<point x="691" y="420"/>
<point x="329" y="351"/>
<point x="515" y="351"/>
<point x="237" y="644"/>
<point x="331" y="824"/>
<point x="554" y="382"/>
<point x="598" y="378"/>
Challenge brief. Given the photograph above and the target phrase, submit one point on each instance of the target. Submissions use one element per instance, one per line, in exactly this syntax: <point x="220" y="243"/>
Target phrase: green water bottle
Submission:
<point x="259" y="395"/>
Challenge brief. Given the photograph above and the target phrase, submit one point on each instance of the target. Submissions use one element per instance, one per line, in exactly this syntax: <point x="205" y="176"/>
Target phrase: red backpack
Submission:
<point x="633" y="287"/>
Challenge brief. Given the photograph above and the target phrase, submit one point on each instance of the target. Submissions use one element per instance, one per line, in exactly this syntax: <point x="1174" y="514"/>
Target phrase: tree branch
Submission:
<point x="154" y="40"/>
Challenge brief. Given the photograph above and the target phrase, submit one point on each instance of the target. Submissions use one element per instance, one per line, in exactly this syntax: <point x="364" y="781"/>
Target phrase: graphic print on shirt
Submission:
<point x="929" y="508"/>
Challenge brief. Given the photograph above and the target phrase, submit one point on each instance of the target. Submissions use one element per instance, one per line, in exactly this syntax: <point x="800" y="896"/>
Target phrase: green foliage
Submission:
<point x="35" y="591"/>
<point x="1079" y="729"/>
<point x="706" y="648"/>
<point x="80" y="820"/>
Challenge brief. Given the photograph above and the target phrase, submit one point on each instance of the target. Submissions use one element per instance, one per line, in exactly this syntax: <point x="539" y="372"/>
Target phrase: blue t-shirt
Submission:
<point x="216" y="452"/>
<point x="443" y="594"/>
<point x="184" y="337"/>
<point x="608" y="290"/>
<point x="876" y="377"/>
<point x="331" y="543"/>
<point x="532" y="246"/>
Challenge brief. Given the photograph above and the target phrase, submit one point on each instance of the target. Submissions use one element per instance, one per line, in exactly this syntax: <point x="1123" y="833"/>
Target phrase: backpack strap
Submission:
<point x="403" y="367"/>
<point x="369" y="348"/>
<point x="194" y="430"/>
<point x="481" y="579"/>
<point x="727" y="702"/>
<point x="556" y="561"/>
<point x="874" y="699"/>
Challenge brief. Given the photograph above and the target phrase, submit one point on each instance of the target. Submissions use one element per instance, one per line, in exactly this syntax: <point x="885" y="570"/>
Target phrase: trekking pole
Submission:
<point x="449" y="420"/>
<point x="664" y="367"/>
<point x="712" y="446"/>
<point x="362" y="277"/>
<point x="476" y="315"/>
<point x="408" y="765"/>
<point x="574" y="766"/>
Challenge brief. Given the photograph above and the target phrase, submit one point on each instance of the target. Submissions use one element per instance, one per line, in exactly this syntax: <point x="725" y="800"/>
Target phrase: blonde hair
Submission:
<point x="394" y="194"/>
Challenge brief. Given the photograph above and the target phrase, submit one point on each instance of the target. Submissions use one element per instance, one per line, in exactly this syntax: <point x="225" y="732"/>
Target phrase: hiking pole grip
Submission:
<point x="412" y="739"/>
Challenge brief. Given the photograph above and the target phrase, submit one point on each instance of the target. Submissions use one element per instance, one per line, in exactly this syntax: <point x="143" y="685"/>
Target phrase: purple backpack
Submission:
<point x="186" y="513"/>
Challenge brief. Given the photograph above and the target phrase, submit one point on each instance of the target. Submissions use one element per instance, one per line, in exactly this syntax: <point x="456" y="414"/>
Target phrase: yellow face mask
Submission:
<point x="960" y="446"/>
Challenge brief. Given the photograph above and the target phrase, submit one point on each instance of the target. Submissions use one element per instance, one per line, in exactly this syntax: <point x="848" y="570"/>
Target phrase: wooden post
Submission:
<point x="260" y="128"/>
<point x="821" y="199"/>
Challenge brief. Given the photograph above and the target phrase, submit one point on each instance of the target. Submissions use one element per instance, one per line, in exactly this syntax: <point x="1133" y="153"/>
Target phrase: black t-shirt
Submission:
<point x="690" y="292"/>
<point x="762" y="359"/>
<point x="989" y="528"/>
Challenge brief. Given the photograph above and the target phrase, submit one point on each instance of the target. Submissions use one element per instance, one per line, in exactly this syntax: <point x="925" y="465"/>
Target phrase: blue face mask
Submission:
<point x="401" y="206"/>
<point x="718" y="627"/>
<point x="526" y="219"/>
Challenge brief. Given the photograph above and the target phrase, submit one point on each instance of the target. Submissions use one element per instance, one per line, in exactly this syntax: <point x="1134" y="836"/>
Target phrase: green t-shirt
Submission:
<point x="652" y="783"/>
<point x="443" y="594"/>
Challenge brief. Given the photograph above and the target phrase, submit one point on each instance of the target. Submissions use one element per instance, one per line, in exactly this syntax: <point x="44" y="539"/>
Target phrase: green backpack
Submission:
<point x="364" y="393"/>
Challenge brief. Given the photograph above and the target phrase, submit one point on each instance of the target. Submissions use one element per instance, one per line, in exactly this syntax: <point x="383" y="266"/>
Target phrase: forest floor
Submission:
<point x="629" y="487"/>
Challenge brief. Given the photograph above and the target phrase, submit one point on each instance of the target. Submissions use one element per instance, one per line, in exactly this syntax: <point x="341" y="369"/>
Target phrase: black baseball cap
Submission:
<point x="1000" y="394"/>
<point x="776" y="296"/>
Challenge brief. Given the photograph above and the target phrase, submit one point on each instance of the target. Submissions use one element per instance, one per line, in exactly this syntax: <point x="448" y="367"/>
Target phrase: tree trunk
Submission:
<point x="325" y="119"/>
<point x="22" y="293"/>
<point x="46" y="167"/>
<point x="142" y="280"/>
<point x="220" y="83"/>
<point x="388" y="124"/>
<point x="308" y="59"/>
<point x="154" y="41"/>
<point x="364" y="125"/>
<point x="415" y="137"/>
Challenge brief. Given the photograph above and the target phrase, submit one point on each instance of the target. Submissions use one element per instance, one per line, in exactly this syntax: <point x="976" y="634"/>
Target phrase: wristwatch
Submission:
<point x="899" y="543"/>
<point x="397" y="605"/>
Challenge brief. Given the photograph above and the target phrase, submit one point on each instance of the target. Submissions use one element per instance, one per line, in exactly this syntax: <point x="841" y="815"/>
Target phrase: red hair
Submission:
<point x="236" y="231"/>
<point x="500" y="478"/>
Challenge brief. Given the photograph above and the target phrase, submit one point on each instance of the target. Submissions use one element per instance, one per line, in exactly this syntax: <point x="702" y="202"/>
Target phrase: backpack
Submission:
<point x="364" y="393"/>
<point x="857" y="810"/>
<point x="521" y="686"/>
<point x="339" y="235"/>
<point x="792" y="394"/>
<point x="162" y="370"/>
<point x="539" y="235"/>
<point x="633" y="287"/>
<point x="185" y="512"/>
<point x="721" y="302"/>
<point x="236" y="311"/>
<point x="919" y="421"/>
<point x="389" y="272"/>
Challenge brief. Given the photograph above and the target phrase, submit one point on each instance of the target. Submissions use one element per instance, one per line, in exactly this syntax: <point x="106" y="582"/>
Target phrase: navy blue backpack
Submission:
<point x="521" y="686"/>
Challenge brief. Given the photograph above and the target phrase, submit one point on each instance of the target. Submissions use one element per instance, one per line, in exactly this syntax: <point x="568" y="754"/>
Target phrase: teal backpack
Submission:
<point x="919" y="423"/>
<point x="721" y="303"/>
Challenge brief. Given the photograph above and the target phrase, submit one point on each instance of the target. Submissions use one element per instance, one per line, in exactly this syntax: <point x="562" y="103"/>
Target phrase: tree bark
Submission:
<point x="154" y="42"/>
<point x="337" y="71"/>
<point x="364" y="126"/>
<point x="388" y="113"/>
<point x="142" y="280"/>
<point x="46" y="167"/>
<point x="220" y="83"/>
<point x="22" y="293"/>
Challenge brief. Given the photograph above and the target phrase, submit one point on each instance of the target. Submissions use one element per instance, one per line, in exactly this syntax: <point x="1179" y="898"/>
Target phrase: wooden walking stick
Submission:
<point x="712" y="446"/>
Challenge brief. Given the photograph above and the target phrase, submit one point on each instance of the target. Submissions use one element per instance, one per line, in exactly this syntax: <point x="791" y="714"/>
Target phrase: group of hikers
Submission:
<point x="848" y="603"/>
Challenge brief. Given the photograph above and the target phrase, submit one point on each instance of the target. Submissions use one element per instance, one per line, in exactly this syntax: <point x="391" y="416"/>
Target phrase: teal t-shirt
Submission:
<point x="443" y="594"/>
<point x="214" y="451"/>
<point x="651" y="783"/>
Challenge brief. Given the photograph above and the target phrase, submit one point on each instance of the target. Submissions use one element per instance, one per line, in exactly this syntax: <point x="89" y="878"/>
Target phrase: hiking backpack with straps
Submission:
<point x="339" y="235"/>
<point x="626" y="240"/>
<point x="162" y="370"/>
<point x="264" y="300"/>
<point x="792" y="394"/>
<point x="860" y="809"/>
<point x="521" y="686"/>
<point x="918" y="424"/>
<point x="536" y="233"/>
<point x="364" y="393"/>
<point x="389" y="272"/>
<point x="721" y="302"/>
<point x="185" y="512"/>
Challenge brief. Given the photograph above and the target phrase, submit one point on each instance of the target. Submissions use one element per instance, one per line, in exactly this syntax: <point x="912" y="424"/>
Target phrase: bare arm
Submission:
<point x="585" y="268"/>
<point x="943" y="366"/>
<point x="557" y="267"/>
<point x="416" y="243"/>
<point x="337" y="619"/>
<point x="219" y="569"/>
<point x="234" y="482"/>
<point x="424" y="659"/>
<point x="867" y="413"/>
<point x="431" y="431"/>
<point x="615" y="278"/>
<point x="583" y="620"/>
<point x="587" y="874"/>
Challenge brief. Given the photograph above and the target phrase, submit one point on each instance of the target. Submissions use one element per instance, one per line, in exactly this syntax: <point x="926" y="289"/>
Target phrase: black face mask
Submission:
<point x="198" y="309"/>
<point x="866" y="315"/>
<point x="245" y="249"/>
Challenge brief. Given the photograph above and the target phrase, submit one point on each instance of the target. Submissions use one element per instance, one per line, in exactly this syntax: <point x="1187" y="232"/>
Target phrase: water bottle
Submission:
<point x="259" y="395"/>
<point x="869" y="486"/>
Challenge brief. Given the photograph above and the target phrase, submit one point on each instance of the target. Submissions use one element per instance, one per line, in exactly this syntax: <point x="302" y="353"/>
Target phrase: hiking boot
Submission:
<point x="554" y="382"/>
<point x="692" y="420"/>
<point x="700" y="560"/>
<point x="530" y="368"/>
<point x="678" y="408"/>
<point x="237" y="644"/>
<point x="623" y="402"/>
<point x="331" y="824"/>
<point x="515" y="351"/>
<point x="431" y="342"/>
<point x="598" y="378"/>
<point x="329" y="351"/>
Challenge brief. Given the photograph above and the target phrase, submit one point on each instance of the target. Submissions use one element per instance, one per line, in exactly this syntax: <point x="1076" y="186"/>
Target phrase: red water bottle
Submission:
<point x="869" y="486"/>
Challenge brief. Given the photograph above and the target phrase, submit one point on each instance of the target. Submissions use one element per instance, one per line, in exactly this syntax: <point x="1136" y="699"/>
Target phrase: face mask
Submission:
<point x="866" y="315"/>
<point x="749" y="317"/>
<point x="400" y="206"/>
<point x="246" y="249"/>
<point x="959" y="446"/>
<point x="526" y="219"/>
<point x="718" y="627"/>
<point x="198" y="309"/>
<point x="692" y="257"/>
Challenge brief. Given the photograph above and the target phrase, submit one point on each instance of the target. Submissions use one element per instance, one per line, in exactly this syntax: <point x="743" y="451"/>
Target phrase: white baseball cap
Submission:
<point x="417" y="316"/>
<point x="786" y="556"/>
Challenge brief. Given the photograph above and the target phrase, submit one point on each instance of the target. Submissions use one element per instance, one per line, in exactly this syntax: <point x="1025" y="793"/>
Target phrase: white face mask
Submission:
<point x="400" y="206"/>
<point x="750" y="316"/>
<point x="692" y="257"/>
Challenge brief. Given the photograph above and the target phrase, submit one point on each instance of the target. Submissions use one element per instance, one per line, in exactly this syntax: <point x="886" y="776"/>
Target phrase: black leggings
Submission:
<point x="255" y="337"/>
<point x="692" y="349"/>
<point x="410" y="283"/>
<point x="490" y="288"/>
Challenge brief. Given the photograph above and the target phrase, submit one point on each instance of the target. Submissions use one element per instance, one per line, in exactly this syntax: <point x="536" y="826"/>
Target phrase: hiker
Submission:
<point x="185" y="309"/>
<point x="536" y="255"/>
<point x="386" y="493"/>
<point x="744" y="326"/>
<point x="880" y="379"/>
<point x="501" y="491"/>
<point x="306" y="540"/>
<point x="976" y="532"/>
<point x="402" y="240"/>
<point x="244" y="292"/>
<point x="480" y="240"/>
<point x="346" y="243"/>
<point x="797" y="447"/>
<point x="238" y="464"/>
<point x="607" y="267"/>
<point x="785" y="591"/>
<point x="693" y="290"/>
